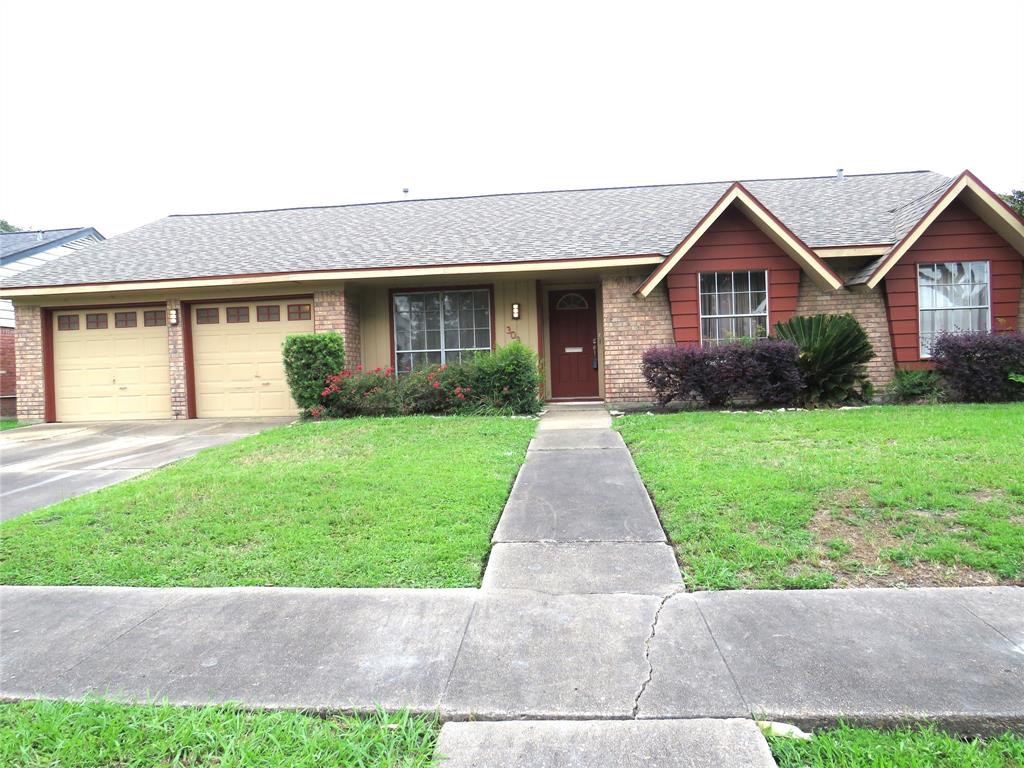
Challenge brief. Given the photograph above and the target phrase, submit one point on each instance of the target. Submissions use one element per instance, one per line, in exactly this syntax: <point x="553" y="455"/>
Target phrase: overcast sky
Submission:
<point x="116" y="114"/>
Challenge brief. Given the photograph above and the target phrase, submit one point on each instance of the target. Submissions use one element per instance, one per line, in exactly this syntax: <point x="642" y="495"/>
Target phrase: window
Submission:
<point x="299" y="312"/>
<point x="154" y="317"/>
<point x="440" y="327"/>
<point x="571" y="301"/>
<point x="67" y="322"/>
<point x="96" y="321"/>
<point x="125" y="320"/>
<point x="952" y="298"/>
<point x="237" y="314"/>
<point x="268" y="314"/>
<point x="733" y="305"/>
<point x="207" y="316"/>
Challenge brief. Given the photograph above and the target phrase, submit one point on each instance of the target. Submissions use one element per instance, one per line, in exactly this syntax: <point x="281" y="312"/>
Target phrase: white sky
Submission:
<point x="115" y="114"/>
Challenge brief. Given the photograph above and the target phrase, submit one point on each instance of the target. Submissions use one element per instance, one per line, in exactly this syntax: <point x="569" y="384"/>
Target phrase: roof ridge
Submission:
<point x="535" y="192"/>
<point x="921" y="197"/>
<point x="38" y="231"/>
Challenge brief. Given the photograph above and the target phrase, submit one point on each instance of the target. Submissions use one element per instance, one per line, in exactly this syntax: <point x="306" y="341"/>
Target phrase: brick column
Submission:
<point x="868" y="306"/>
<point x="335" y="309"/>
<point x="176" y="361"/>
<point x="28" y="354"/>
<point x="631" y="325"/>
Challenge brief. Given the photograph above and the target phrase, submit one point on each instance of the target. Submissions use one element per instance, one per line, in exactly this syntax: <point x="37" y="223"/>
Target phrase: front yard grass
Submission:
<point x="846" y="747"/>
<point x="9" y="424"/>
<point x="99" y="734"/>
<point x="879" y="496"/>
<point x="399" y="502"/>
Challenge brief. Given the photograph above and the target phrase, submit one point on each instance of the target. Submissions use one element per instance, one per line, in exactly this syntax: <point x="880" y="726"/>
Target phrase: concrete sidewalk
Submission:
<point x="874" y="656"/>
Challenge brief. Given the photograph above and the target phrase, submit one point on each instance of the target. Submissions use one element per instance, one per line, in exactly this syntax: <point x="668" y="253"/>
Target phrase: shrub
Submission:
<point x="308" y="359"/>
<point x="976" y="367"/>
<point x="914" y="386"/>
<point x="762" y="372"/>
<point x="506" y="381"/>
<point x="834" y="351"/>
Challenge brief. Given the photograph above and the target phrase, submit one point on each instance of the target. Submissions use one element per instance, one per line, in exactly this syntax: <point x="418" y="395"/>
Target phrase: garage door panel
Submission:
<point x="238" y="366"/>
<point x="111" y="373"/>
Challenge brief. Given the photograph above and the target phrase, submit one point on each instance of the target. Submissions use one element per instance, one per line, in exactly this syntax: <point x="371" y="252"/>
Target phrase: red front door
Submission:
<point x="573" y="326"/>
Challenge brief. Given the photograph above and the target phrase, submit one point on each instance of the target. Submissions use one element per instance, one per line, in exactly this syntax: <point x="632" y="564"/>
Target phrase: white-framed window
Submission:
<point x="952" y="297"/>
<point x="733" y="305"/>
<point x="440" y="326"/>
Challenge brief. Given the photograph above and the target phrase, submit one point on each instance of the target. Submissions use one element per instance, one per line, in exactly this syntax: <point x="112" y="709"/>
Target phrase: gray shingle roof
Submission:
<point x="535" y="226"/>
<point x="12" y="243"/>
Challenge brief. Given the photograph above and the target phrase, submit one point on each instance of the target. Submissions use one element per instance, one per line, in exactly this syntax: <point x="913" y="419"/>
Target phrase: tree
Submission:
<point x="1015" y="200"/>
<point x="6" y="226"/>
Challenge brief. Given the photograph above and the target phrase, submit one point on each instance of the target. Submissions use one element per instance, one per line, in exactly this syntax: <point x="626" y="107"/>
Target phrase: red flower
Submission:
<point x="359" y="368"/>
<point x="377" y="369"/>
<point x="437" y="385"/>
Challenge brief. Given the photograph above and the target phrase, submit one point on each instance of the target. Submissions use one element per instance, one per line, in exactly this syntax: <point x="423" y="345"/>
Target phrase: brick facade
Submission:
<point x="630" y="326"/>
<point x="336" y="310"/>
<point x="28" y="353"/>
<point x="867" y="306"/>
<point x="176" y="361"/>
<point x="8" y="375"/>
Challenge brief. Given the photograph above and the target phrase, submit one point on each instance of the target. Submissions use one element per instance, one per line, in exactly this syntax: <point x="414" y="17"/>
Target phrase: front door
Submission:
<point x="573" y="326"/>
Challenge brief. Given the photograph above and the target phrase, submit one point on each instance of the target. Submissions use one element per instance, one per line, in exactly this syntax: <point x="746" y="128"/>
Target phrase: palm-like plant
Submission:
<point x="834" y="351"/>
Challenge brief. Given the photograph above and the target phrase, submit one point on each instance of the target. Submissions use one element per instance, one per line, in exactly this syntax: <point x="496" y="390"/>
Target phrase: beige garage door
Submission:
<point x="236" y="349"/>
<point x="111" y="363"/>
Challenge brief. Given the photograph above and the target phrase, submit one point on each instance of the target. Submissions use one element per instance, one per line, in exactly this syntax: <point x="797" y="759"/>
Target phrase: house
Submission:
<point x="185" y="317"/>
<point x="21" y="251"/>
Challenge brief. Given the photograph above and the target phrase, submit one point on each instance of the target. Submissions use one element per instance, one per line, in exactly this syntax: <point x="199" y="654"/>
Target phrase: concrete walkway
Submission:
<point x="582" y="617"/>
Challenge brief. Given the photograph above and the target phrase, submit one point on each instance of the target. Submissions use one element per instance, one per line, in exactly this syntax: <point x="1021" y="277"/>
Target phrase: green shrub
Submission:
<point x="914" y="386"/>
<point x="507" y="380"/>
<point x="834" y="351"/>
<point x="309" y="358"/>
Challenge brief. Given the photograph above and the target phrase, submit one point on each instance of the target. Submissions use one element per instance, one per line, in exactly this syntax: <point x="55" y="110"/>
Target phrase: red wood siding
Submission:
<point x="957" y="235"/>
<point x="732" y="243"/>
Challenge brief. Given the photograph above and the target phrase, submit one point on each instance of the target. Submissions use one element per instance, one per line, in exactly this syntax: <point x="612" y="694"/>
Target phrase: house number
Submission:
<point x="512" y="333"/>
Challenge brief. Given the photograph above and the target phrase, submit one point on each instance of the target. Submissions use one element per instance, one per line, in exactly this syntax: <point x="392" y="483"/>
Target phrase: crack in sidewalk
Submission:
<point x="647" y="649"/>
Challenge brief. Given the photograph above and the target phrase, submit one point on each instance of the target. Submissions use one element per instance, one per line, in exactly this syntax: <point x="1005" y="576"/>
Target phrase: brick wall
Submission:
<point x="176" y="361"/>
<point x="28" y="353"/>
<point x="8" y="366"/>
<point x="631" y="326"/>
<point x="336" y="310"/>
<point x="868" y="306"/>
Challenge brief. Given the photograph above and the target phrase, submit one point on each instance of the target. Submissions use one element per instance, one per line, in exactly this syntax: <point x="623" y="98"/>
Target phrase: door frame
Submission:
<point x="544" y="301"/>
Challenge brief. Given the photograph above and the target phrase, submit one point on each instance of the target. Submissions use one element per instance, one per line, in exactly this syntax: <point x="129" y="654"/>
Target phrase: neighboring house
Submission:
<point x="19" y="252"/>
<point x="185" y="317"/>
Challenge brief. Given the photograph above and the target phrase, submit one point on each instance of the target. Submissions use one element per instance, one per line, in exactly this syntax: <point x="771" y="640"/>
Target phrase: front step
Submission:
<point x="731" y="743"/>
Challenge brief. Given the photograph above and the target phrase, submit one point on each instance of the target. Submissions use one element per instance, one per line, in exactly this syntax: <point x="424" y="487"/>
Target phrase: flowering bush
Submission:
<point x="764" y="372"/>
<point x="977" y="367"/>
<point x="505" y="381"/>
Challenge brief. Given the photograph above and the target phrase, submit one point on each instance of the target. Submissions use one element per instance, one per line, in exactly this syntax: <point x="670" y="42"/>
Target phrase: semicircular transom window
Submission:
<point x="572" y="301"/>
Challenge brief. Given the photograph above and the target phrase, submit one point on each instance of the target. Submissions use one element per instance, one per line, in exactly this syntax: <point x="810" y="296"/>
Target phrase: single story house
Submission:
<point x="19" y="252"/>
<point x="185" y="317"/>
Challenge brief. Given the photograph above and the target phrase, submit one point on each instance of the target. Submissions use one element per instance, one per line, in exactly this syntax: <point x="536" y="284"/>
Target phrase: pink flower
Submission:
<point x="437" y="385"/>
<point x="359" y="368"/>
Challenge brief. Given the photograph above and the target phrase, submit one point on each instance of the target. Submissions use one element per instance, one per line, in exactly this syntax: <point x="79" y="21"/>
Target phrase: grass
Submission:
<point x="99" y="734"/>
<point x="874" y="496"/>
<point x="402" y="502"/>
<point x="846" y="747"/>
<point x="9" y="424"/>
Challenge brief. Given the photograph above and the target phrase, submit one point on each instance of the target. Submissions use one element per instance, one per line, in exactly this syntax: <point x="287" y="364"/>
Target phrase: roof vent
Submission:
<point x="839" y="173"/>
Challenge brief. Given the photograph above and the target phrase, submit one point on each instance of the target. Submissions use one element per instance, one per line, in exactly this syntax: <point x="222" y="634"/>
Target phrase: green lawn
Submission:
<point x="9" y="424"/>
<point x="872" y="496"/>
<point x="402" y="502"/>
<point x="97" y="734"/>
<point x="846" y="747"/>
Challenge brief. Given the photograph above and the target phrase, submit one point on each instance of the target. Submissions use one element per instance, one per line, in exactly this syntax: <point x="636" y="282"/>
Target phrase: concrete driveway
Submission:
<point x="46" y="463"/>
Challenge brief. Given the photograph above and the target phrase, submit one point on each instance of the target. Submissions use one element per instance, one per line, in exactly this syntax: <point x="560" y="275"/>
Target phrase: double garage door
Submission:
<point x="112" y="363"/>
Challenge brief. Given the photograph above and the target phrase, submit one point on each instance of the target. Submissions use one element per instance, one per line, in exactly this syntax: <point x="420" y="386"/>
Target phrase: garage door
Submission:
<point x="236" y="351"/>
<point x="111" y="363"/>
